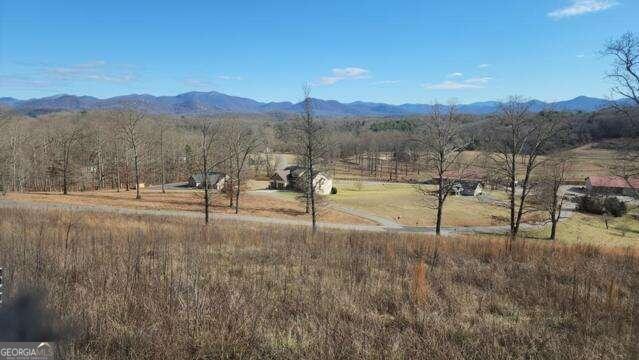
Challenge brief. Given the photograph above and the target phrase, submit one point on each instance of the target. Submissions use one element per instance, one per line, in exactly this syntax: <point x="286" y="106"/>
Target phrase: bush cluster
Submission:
<point x="599" y="205"/>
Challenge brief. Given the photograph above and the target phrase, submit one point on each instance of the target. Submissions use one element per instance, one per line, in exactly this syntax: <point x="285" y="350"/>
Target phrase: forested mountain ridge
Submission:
<point x="206" y="103"/>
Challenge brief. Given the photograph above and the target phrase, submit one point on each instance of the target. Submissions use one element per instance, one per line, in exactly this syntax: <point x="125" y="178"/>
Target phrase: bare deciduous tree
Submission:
<point x="5" y="117"/>
<point x="209" y="136"/>
<point x="162" y="129"/>
<point x="207" y="139"/>
<point x="65" y="137"/>
<point x="625" y="75"/>
<point x="442" y="143"/>
<point x="625" y="71"/>
<point x="514" y="147"/>
<point x="130" y="122"/>
<point x="548" y="196"/>
<point x="242" y="141"/>
<point x="311" y="149"/>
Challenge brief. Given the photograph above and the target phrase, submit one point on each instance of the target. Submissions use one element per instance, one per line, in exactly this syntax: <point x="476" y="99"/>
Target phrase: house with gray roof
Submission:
<point x="215" y="180"/>
<point x="292" y="177"/>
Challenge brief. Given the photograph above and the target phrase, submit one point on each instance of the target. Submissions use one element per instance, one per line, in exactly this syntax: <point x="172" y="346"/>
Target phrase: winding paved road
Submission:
<point x="384" y="225"/>
<point x="391" y="225"/>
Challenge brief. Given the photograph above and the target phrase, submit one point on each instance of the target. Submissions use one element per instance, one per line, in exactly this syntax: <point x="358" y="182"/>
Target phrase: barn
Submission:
<point x="612" y="185"/>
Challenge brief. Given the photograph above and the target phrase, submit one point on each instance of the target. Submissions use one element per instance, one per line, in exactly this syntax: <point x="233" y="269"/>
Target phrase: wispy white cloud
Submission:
<point x="385" y="82"/>
<point x="98" y="70"/>
<point x="229" y="77"/>
<point x="478" y="80"/>
<point x="483" y="66"/>
<point x="112" y="78"/>
<point x="581" y="56"/>
<point x="92" y="64"/>
<point x="22" y="82"/>
<point x="450" y="85"/>
<point x="455" y="75"/>
<point x="581" y="7"/>
<point x="197" y="83"/>
<point x="40" y="75"/>
<point x="470" y="83"/>
<point x="339" y="74"/>
<point x="208" y="81"/>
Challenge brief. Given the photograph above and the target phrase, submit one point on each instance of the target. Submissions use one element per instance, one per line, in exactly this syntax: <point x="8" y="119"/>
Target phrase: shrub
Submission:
<point x="333" y="190"/>
<point x="615" y="206"/>
<point x="596" y="205"/>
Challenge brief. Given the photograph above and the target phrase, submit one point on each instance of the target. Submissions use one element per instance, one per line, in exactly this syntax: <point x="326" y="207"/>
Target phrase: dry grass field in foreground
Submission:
<point x="137" y="287"/>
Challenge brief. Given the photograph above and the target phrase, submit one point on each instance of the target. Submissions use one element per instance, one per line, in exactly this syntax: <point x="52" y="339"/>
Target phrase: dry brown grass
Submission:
<point x="138" y="287"/>
<point x="187" y="200"/>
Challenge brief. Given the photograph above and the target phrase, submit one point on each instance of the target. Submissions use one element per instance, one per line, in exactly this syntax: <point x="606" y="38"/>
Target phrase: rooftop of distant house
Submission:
<point x="613" y="182"/>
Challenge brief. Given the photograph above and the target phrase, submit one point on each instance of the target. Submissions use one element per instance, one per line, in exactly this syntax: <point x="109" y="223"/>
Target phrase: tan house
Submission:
<point x="292" y="177"/>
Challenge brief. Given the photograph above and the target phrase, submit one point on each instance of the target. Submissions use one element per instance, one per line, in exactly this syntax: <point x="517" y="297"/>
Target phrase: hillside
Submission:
<point x="117" y="287"/>
<point x="205" y="103"/>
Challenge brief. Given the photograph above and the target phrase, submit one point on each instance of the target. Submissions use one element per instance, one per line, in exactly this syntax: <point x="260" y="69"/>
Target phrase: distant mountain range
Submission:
<point x="205" y="103"/>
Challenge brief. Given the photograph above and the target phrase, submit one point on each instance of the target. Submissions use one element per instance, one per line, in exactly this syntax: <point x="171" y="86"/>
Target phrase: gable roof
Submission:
<point x="213" y="177"/>
<point x="280" y="175"/>
<point x="468" y="174"/>
<point x="613" y="182"/>
<point x="294" y="172"/>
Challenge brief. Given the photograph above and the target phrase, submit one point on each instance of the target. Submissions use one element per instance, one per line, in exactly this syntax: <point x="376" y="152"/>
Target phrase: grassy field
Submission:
<point x="591" y="229"/>
<point x="591" y="161"/>
<point x="114" y="287"/>
<point x="190" y="200"/>
<point x="403" y="201"/>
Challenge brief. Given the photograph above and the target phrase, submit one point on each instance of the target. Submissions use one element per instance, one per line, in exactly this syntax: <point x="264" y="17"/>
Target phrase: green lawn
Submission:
<point x="590" y="229"/>
<point x="404" y="201"/>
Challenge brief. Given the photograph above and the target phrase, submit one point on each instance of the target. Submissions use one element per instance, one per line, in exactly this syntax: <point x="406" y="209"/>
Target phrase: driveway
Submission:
<point x="172" y="186"/>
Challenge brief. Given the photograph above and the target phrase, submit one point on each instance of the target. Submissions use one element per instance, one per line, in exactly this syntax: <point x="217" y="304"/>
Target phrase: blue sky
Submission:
<point x="387" y="51"/>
